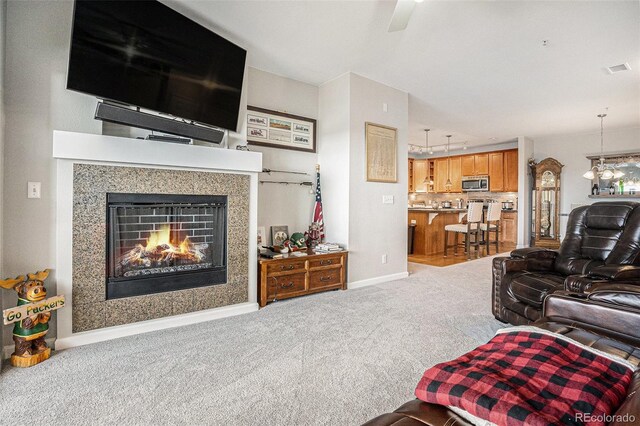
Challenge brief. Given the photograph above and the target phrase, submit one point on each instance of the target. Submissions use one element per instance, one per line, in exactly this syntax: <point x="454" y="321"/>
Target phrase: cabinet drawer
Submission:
<point x="285" y="266"/>
<point x="327" y="277"/>
<point x="285" y="284"/>
<point x="326" y="261"/>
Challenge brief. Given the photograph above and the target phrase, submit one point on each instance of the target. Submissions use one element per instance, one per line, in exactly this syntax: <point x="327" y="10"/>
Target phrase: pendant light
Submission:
<point x="428" y="182"/>
<point x="448" y="183"/>
<point x="602" y="170"/>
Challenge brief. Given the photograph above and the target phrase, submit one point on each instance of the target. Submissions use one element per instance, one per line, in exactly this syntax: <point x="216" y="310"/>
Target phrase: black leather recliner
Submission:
<point x="602" y="244"/>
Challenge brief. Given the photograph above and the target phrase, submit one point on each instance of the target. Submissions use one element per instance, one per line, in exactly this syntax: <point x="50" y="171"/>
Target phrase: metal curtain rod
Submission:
<point x="283" y="171"/>
<point x="288" y="183"/>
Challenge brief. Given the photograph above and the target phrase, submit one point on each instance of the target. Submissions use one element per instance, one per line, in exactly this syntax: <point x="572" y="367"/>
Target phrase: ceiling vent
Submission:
<point x="618" y="68"/>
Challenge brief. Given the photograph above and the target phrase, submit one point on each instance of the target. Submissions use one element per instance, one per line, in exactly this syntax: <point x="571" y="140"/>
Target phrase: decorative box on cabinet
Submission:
<point x="297" y="276"/>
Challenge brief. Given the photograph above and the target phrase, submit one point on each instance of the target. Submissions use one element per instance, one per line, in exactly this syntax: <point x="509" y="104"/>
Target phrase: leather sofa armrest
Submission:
<point x="622" y="294"/>
<point x="596" y="313"/>
<point x="534" y="253"/>
<point x="616" y="272"/>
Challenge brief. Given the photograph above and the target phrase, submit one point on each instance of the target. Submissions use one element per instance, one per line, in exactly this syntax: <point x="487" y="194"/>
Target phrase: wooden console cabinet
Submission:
<point x="298" y="276"/>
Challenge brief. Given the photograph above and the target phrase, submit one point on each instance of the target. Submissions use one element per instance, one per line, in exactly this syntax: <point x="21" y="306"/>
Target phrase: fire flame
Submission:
<point x="162" y="238"/>
<point x="161" y="251"/>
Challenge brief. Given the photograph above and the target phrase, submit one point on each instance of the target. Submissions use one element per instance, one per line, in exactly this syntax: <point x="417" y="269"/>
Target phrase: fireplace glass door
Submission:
<point x="164" y="242"/>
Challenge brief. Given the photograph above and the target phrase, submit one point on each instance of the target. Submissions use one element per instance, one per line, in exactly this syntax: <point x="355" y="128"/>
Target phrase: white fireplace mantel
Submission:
<point x="72" y="147"/>
<point x="112" y="149"/>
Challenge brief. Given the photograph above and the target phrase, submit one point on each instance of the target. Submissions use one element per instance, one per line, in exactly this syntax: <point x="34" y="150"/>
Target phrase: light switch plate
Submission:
<point x="34" y="189"/>
<point x="387" y="199"/>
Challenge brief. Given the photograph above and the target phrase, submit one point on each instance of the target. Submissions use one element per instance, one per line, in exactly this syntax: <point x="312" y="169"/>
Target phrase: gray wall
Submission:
<point x="36" y="103"/>
<point x="3" y="5"/>
<point x="283" y="204"/>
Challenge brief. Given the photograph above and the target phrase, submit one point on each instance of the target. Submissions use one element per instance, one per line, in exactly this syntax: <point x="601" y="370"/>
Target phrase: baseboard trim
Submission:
<point x="94" y="336"/>
<point x="377" y="280"/>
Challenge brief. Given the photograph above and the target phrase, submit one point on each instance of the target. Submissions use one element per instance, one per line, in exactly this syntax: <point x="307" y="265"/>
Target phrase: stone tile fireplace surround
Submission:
<point x="90" y="167"/>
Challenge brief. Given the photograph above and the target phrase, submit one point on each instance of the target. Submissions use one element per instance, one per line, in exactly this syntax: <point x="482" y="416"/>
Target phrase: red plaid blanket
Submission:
<point x="524" y="377"/>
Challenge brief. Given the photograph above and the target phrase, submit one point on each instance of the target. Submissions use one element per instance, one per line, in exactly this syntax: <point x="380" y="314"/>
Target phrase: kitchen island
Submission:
<point x="429" y="231"/>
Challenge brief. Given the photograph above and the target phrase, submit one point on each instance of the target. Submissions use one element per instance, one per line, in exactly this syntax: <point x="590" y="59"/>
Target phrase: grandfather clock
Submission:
<point x="546" y="203"/>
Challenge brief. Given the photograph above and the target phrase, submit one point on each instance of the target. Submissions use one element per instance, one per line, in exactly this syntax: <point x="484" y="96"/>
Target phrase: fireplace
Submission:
<point x="158" y="243"/>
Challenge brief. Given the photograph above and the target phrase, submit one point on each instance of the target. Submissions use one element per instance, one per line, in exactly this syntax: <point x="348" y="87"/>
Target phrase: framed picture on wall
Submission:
<point x="280" y="130"/>
<point x="381" y="143"/>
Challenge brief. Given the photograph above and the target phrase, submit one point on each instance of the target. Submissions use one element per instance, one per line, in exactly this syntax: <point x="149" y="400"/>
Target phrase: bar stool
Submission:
<point x="471" y="228"/>
<point x="492" y="225"/>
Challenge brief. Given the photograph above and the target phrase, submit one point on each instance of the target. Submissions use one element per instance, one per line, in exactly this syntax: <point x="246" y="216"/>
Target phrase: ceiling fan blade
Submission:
<point x="401" y="15"/>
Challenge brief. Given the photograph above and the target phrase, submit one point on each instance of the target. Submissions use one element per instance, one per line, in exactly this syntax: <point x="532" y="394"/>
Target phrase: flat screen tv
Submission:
<point x="145" y="54"/>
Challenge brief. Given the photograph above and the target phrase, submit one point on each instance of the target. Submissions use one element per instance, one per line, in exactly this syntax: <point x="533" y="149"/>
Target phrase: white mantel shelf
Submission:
<point x="112" y="149"/>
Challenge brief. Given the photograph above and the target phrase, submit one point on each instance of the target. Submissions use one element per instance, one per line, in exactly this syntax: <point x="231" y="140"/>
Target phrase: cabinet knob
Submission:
<point x="328" y="278"/>
<point x="286" y="267"/>
<point x="287" y="285"/>
<point x="326" y="262"/>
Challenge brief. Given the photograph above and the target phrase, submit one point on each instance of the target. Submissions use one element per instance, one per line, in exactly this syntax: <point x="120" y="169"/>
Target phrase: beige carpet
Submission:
<point x="337" y="358"/>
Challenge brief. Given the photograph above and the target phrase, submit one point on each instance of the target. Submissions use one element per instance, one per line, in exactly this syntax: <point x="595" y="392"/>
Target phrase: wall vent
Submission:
<point x="617" y="68"/>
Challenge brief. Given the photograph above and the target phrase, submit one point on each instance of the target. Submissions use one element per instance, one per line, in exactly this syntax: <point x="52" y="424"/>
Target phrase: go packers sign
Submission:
<point x="21" y="312"/>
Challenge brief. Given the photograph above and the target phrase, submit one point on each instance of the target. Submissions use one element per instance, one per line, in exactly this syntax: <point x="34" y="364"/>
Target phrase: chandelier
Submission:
<point x="602" y="170"/>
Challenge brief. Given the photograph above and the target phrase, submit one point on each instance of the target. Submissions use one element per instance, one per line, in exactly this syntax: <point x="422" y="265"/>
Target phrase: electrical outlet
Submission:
<point x="387" y="199"/>
<point x="384" y="258"/>
<point x="33" y="189"/>
<point x="385" y="108"/>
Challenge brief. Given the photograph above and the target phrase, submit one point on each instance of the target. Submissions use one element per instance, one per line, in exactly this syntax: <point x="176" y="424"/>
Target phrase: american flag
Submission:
<point x="317" y="210"/>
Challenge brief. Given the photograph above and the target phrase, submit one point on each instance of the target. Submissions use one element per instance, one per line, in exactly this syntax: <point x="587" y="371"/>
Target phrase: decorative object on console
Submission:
<point x="546" y="203"/>
<point x="313" y="235"/>
<point x="299" y="240"/>
<point x="318" y="214"/>
<point x="262" y="237"/>
<point x="30" y="318"/>
<point x="279" y="234"/>
<point x="280" y="130"/>
<point x="381" y="153"/>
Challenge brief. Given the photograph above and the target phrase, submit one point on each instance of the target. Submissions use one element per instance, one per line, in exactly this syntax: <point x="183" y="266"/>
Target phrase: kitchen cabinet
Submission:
<point x="467" y="166"/>
<point x="511" y="170"/>
<point x="420" y="169"/>
<point x="496" y="171"/>
<point x="509" y="227"/>
<point x="455" y="173"/>
<point x="500" y="166"/>
<point x="481" y="163"/>
<point x="441" y="174"/>
<point x="410" y="172"/>
<point x="474" y="165"/>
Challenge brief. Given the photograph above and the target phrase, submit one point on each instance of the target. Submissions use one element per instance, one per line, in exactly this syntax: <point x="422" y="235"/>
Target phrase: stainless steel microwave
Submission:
<point x="475" y="183"/>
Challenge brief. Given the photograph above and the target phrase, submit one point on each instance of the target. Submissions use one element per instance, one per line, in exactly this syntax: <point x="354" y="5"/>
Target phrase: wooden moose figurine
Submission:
<point x="29" y="333"/>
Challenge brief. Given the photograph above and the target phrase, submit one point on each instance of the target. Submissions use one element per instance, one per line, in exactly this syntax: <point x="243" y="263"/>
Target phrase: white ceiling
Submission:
<point x="475" y="69"/>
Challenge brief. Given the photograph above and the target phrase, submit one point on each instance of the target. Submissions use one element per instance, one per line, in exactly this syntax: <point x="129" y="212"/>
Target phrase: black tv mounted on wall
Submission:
<point x="144" y="54"/>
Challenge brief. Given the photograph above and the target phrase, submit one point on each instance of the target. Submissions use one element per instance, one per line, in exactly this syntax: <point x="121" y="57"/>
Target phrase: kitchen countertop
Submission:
<point x="432" y="210"/>
<point x="452" y="210"/>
